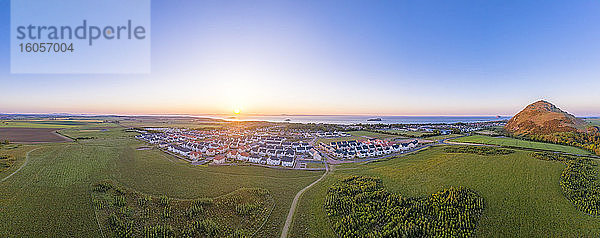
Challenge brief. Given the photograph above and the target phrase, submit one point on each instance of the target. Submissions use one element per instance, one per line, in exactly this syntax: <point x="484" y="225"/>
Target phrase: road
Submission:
<point x="288" y="220"/>
<point x="23" y="165"/>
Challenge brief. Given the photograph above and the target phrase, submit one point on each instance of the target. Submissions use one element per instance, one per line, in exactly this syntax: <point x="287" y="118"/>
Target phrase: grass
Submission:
<point x="512" y="142"/>
<point x="242" y="211"/>
<point x="441" y="137"/>
<point x="16" y="157"/>
<point x="593" y="122"/>
<point x="54" y="123"/>
<point x="51" y="195"/>
<point x="522" y="195"/>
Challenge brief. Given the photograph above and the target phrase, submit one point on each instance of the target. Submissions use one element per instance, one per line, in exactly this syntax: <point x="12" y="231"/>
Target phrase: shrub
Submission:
<point x="479" y="150"/>
<point x="579" y="183"/>
<point x="360" y="207"/>
<point x="205" y="227"/>
<point x="163" y="200"/>
<point x="159" y="231"/>
<point x="102" y="187"/>
<point x="119" y="200"/>
<point x="246" y="209"/>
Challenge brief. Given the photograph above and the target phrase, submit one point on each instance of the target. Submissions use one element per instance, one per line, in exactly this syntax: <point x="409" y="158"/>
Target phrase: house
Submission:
<point x="287" y="161"/>
<point x="195" y="155"/>
<point x="254" y="159"/>
<point x="219" y="159"/>
<point x="211" y="152"/>
<point x="244" y="156"/>
<point x="179" y="150"/>
<point x="273" y="160"/>
<point x="232" y="154"/>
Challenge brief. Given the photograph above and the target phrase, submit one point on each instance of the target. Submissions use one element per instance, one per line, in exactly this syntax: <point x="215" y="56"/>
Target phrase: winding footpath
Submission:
<point x="288" y="220"/>
<point x="23" y="165"/>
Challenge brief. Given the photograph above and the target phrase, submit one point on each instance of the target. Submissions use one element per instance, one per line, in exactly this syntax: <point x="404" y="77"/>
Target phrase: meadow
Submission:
<point x="512" y="142"/>
<point x="593" y="121"/>
<point x="522" y="194"/>
<point x="45" y="123"/>
<point x="52" y="194"/>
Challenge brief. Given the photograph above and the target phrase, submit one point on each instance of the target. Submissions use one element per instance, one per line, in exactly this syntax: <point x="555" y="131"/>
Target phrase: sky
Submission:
<point x="338" y="57"/>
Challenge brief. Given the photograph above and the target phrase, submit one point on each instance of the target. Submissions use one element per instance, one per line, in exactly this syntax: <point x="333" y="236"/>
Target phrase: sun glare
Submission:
<point x="236" y="111"/>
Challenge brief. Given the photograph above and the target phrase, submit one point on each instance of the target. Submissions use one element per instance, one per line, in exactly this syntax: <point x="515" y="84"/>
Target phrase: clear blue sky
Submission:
<point x="340" y="57"/>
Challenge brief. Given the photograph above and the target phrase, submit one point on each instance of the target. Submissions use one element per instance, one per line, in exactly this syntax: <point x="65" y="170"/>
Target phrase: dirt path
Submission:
<point x="23" y="165"/>
<point x="288" y="220"/>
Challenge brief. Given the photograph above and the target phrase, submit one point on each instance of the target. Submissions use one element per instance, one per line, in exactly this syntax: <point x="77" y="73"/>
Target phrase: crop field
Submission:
<point x="31" y="135"/>
<point x="188" y="123"/>
<point x="52" y="194"/>
<point x="521" y="193"/>
<point x="52" y="123"/>
<point x="595" y="122"/>
<point x="512" y="142"/>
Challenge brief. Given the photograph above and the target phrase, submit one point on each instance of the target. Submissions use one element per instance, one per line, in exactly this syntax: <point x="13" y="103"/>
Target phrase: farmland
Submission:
<point x="12" y="156"/>
<point x="512" y="142"/>
<point x="52" y="195"/>
<point x="594" y="122"/>
<point x="31" y="135"/>
<point x="41" y="123"/>
<point x="521" y="193"/>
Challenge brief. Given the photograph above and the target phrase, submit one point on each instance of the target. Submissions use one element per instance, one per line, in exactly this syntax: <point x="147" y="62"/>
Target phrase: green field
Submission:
<point x="441" y="137"/>
<point x="522" y="195"/>
<point x="54" y="123"/>
<point x="512" y="142"/>
<point x="51" y="195"/>
<point x="595" y="122"/>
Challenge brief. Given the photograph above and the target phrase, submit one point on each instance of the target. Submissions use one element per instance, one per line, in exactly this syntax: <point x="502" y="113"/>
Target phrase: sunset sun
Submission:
<point x="236" y="111"/>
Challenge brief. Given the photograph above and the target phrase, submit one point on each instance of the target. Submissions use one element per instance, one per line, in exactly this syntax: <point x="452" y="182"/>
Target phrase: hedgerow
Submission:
<point x="479" y="150"/>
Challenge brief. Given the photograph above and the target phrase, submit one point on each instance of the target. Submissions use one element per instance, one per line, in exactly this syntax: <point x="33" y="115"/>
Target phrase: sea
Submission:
<point x="349" y="120"/>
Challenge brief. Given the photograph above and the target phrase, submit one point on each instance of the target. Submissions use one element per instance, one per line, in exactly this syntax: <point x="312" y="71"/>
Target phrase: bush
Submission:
<point x="246" y="209"/>
<point x="119" y="200"/>
<point x="479" y="150"/>
<point x="144" y="200"/>
<point x="159" y="231"/>
<point x="102" y="187"/>
<point x="205" y="227"/>
<point x="553" y="156"/>
<point x="579" y="183"/>
<point x="119" y="227"/>
<point x="163" y="200"/>
<point x="360" y="207"/>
